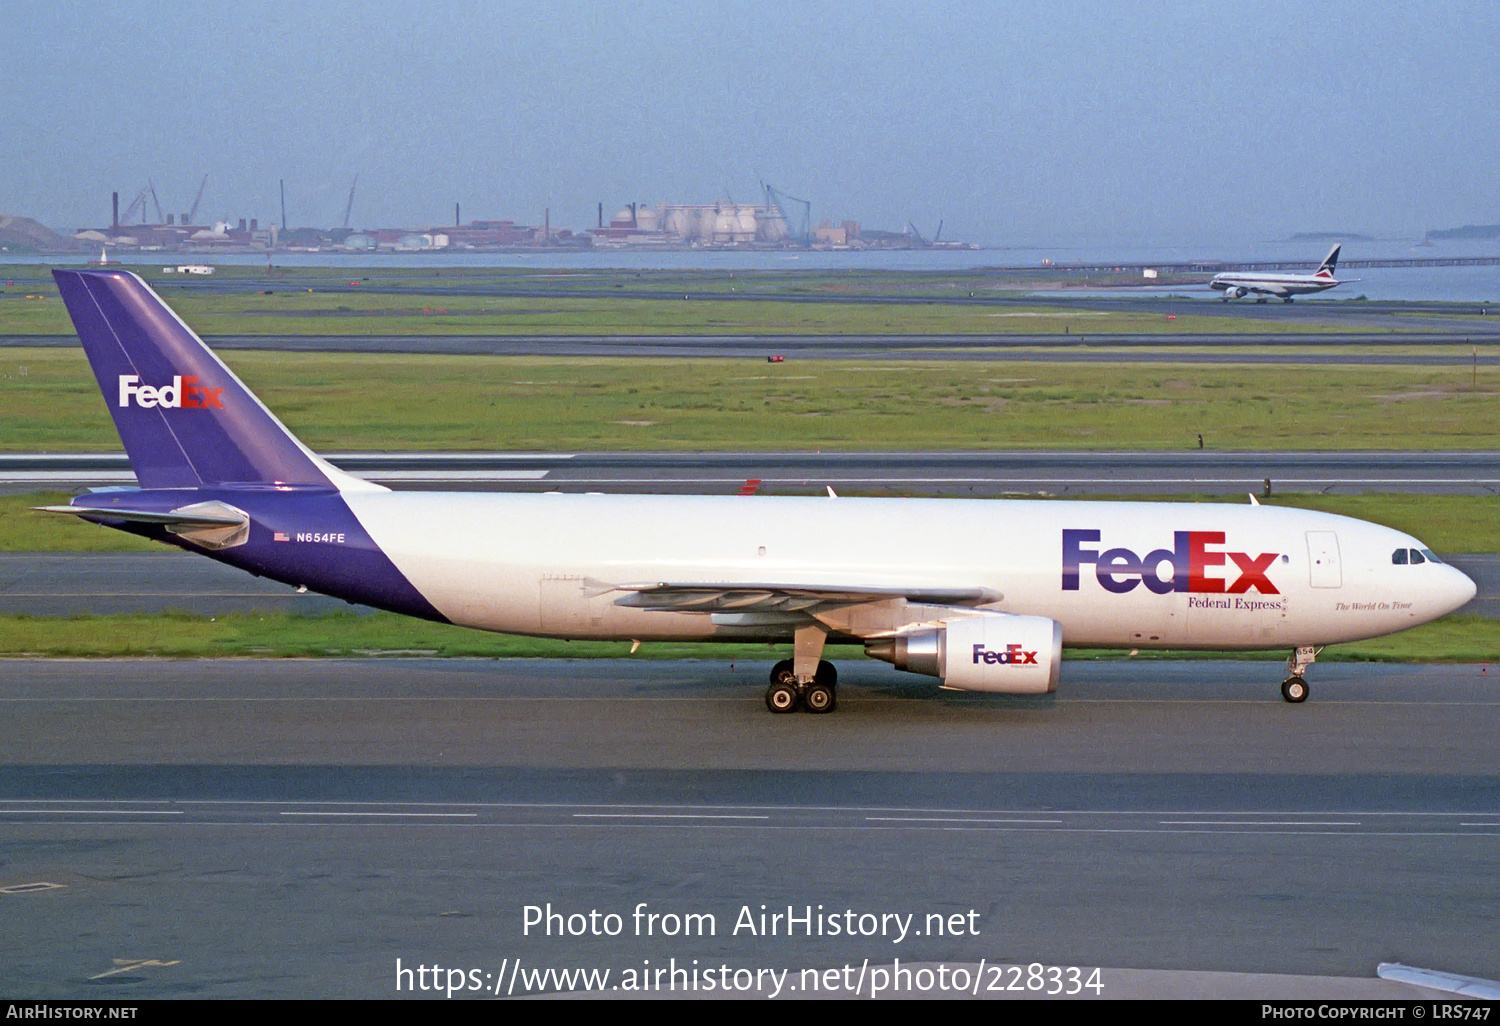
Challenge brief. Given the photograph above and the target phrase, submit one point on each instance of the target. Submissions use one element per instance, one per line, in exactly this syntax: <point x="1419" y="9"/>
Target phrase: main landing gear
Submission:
<point x="786" y="695"/>
<point x="806" y="681"/>
<point x="1294" y="688"/>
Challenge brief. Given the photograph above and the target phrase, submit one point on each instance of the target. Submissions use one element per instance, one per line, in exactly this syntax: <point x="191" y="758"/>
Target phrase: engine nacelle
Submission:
<point x="1017" y="655"/>
<point x="1234" y="292"/>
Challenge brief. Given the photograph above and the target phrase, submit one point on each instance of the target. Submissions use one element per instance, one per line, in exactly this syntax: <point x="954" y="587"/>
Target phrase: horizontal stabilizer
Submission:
<point x="143" y="516"/>
<point x="212" y="525"/>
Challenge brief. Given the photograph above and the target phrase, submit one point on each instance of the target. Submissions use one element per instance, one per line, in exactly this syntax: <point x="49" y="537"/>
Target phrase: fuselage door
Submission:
<point x="1323" y="560"/>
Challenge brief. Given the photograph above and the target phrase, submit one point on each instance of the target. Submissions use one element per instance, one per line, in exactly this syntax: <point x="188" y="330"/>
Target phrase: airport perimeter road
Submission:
<point x="280" y="829"/>
<point x="1442" y="348"/>
<point x="959" y="474"/>
<point x="101" y="583"/>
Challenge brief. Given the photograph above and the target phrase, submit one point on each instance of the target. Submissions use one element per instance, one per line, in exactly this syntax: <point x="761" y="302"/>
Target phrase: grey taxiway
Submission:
<point x="293" y="828"/>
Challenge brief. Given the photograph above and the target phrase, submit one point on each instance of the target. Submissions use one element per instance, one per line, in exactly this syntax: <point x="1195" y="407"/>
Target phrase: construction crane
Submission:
<point x="139" y="201"/>
<point x="350" y="205"/>
<point x="196" y="200"/>
<point x="776" y="199"/>
<point x="160" y="217"/>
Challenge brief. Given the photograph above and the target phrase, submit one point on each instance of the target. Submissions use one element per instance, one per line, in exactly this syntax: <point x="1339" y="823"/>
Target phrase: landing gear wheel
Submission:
<point x="781" y="673"/>
<point x="827" y="673"/>
<point x="782" y="697"/>
<point x="1294" y="689"/>
<point x="819" y="698"/>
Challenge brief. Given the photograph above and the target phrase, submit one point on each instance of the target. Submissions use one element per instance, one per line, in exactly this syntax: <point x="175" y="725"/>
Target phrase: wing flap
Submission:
<point x="713" y="597"/>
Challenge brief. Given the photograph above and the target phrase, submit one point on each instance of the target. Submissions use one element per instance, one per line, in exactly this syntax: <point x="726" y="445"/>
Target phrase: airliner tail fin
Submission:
<point x="184" y="417"/>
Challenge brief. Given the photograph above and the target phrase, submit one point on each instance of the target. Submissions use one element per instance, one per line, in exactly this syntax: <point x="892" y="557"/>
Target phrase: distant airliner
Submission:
<point x="980" y="593"/>
<point x="1235" y="284"/>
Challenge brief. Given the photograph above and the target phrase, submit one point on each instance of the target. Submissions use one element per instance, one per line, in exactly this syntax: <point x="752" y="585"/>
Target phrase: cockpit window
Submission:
<point x="1416" y="556"/>
<point x="1399" y="557"/>
<point x="1430" y="557"/>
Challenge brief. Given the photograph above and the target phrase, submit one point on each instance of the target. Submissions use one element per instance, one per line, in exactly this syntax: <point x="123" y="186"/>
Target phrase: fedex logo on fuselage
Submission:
<point x="1192" y="558"/>
<point x="184" y="393"/>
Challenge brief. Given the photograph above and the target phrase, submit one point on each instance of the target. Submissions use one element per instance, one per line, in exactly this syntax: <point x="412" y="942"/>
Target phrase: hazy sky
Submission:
<point x="1050" y="122"/>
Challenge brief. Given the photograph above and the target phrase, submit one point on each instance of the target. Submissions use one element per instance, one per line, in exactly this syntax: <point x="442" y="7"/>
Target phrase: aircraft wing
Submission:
<point x="707" y="597"/>
<point x="1264" y="289"/>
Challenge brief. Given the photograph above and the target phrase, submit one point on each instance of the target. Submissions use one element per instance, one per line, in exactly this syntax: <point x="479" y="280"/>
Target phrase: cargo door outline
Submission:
<point x="1323" y="567"/>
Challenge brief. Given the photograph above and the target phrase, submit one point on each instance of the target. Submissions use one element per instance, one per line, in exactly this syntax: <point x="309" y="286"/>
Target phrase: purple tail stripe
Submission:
<point x="184" y="418"/>
<point x="194" y="433"/>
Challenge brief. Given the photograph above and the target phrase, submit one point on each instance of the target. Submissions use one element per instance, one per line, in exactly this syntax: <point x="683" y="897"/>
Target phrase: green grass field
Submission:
<point x="179" y="636"/>
<point x="50" y="402"/>
<point x="313" y="313"/>
<point x="248" y="300"/>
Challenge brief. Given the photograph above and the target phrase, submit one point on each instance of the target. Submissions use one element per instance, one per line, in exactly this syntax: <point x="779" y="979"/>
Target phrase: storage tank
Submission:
<point x="677" y="221"/>
<point x="770" y="225"/>
<point x="704" y="230"/>
<point x="744" y="224"/>
<point x="725" y="224"/>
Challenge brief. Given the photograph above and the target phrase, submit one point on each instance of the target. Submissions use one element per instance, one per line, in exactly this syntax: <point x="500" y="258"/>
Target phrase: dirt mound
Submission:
<point x="24" y="234"/>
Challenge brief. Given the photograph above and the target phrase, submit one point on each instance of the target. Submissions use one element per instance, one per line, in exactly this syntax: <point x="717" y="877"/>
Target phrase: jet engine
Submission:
<point x="1234" y="292"/>
<point x="1018" y="655"/>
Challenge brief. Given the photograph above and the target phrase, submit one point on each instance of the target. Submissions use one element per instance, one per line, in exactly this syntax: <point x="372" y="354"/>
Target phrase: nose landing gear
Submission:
<point x="1294" y="688"/>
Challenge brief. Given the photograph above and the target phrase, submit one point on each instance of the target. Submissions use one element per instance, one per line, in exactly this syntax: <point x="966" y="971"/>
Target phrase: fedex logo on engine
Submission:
<point x="1192" y="557"/>
<point x="184" y="393"/>
<point x="1011" y="655"/>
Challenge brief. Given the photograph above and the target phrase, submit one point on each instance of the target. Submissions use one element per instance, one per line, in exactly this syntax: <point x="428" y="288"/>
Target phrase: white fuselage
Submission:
<point x="555" y="564"/>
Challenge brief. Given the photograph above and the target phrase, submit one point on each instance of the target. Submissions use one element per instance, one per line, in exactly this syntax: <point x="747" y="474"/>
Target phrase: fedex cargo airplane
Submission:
<point x="1235" y="284"/>
<point x="982" y="594"/>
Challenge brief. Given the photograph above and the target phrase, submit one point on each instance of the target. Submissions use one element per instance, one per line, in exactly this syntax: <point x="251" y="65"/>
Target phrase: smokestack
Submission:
<point x="283" y="204"/>
<point x="456" y="221"/>
<point x="547" y="224"/>
<point x="601" y="215"/>
<point x="115" y="222"/>
<point x="633" y="223"/>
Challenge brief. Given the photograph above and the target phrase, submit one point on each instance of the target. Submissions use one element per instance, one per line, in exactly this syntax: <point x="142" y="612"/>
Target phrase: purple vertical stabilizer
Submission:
<point x="184" y="417"/>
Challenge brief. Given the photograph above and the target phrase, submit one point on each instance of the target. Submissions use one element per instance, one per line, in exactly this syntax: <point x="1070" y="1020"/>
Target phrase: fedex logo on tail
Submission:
<point x="1193" y="558"/>
<point x="184" y="393"/>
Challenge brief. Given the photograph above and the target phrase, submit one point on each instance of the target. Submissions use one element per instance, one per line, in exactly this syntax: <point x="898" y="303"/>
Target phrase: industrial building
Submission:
<point x="686" y="224"/>
<point x="780" y="221"/>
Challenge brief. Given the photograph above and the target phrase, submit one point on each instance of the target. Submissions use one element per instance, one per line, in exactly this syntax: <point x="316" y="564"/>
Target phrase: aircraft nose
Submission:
<point x="1457" y="589"/>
